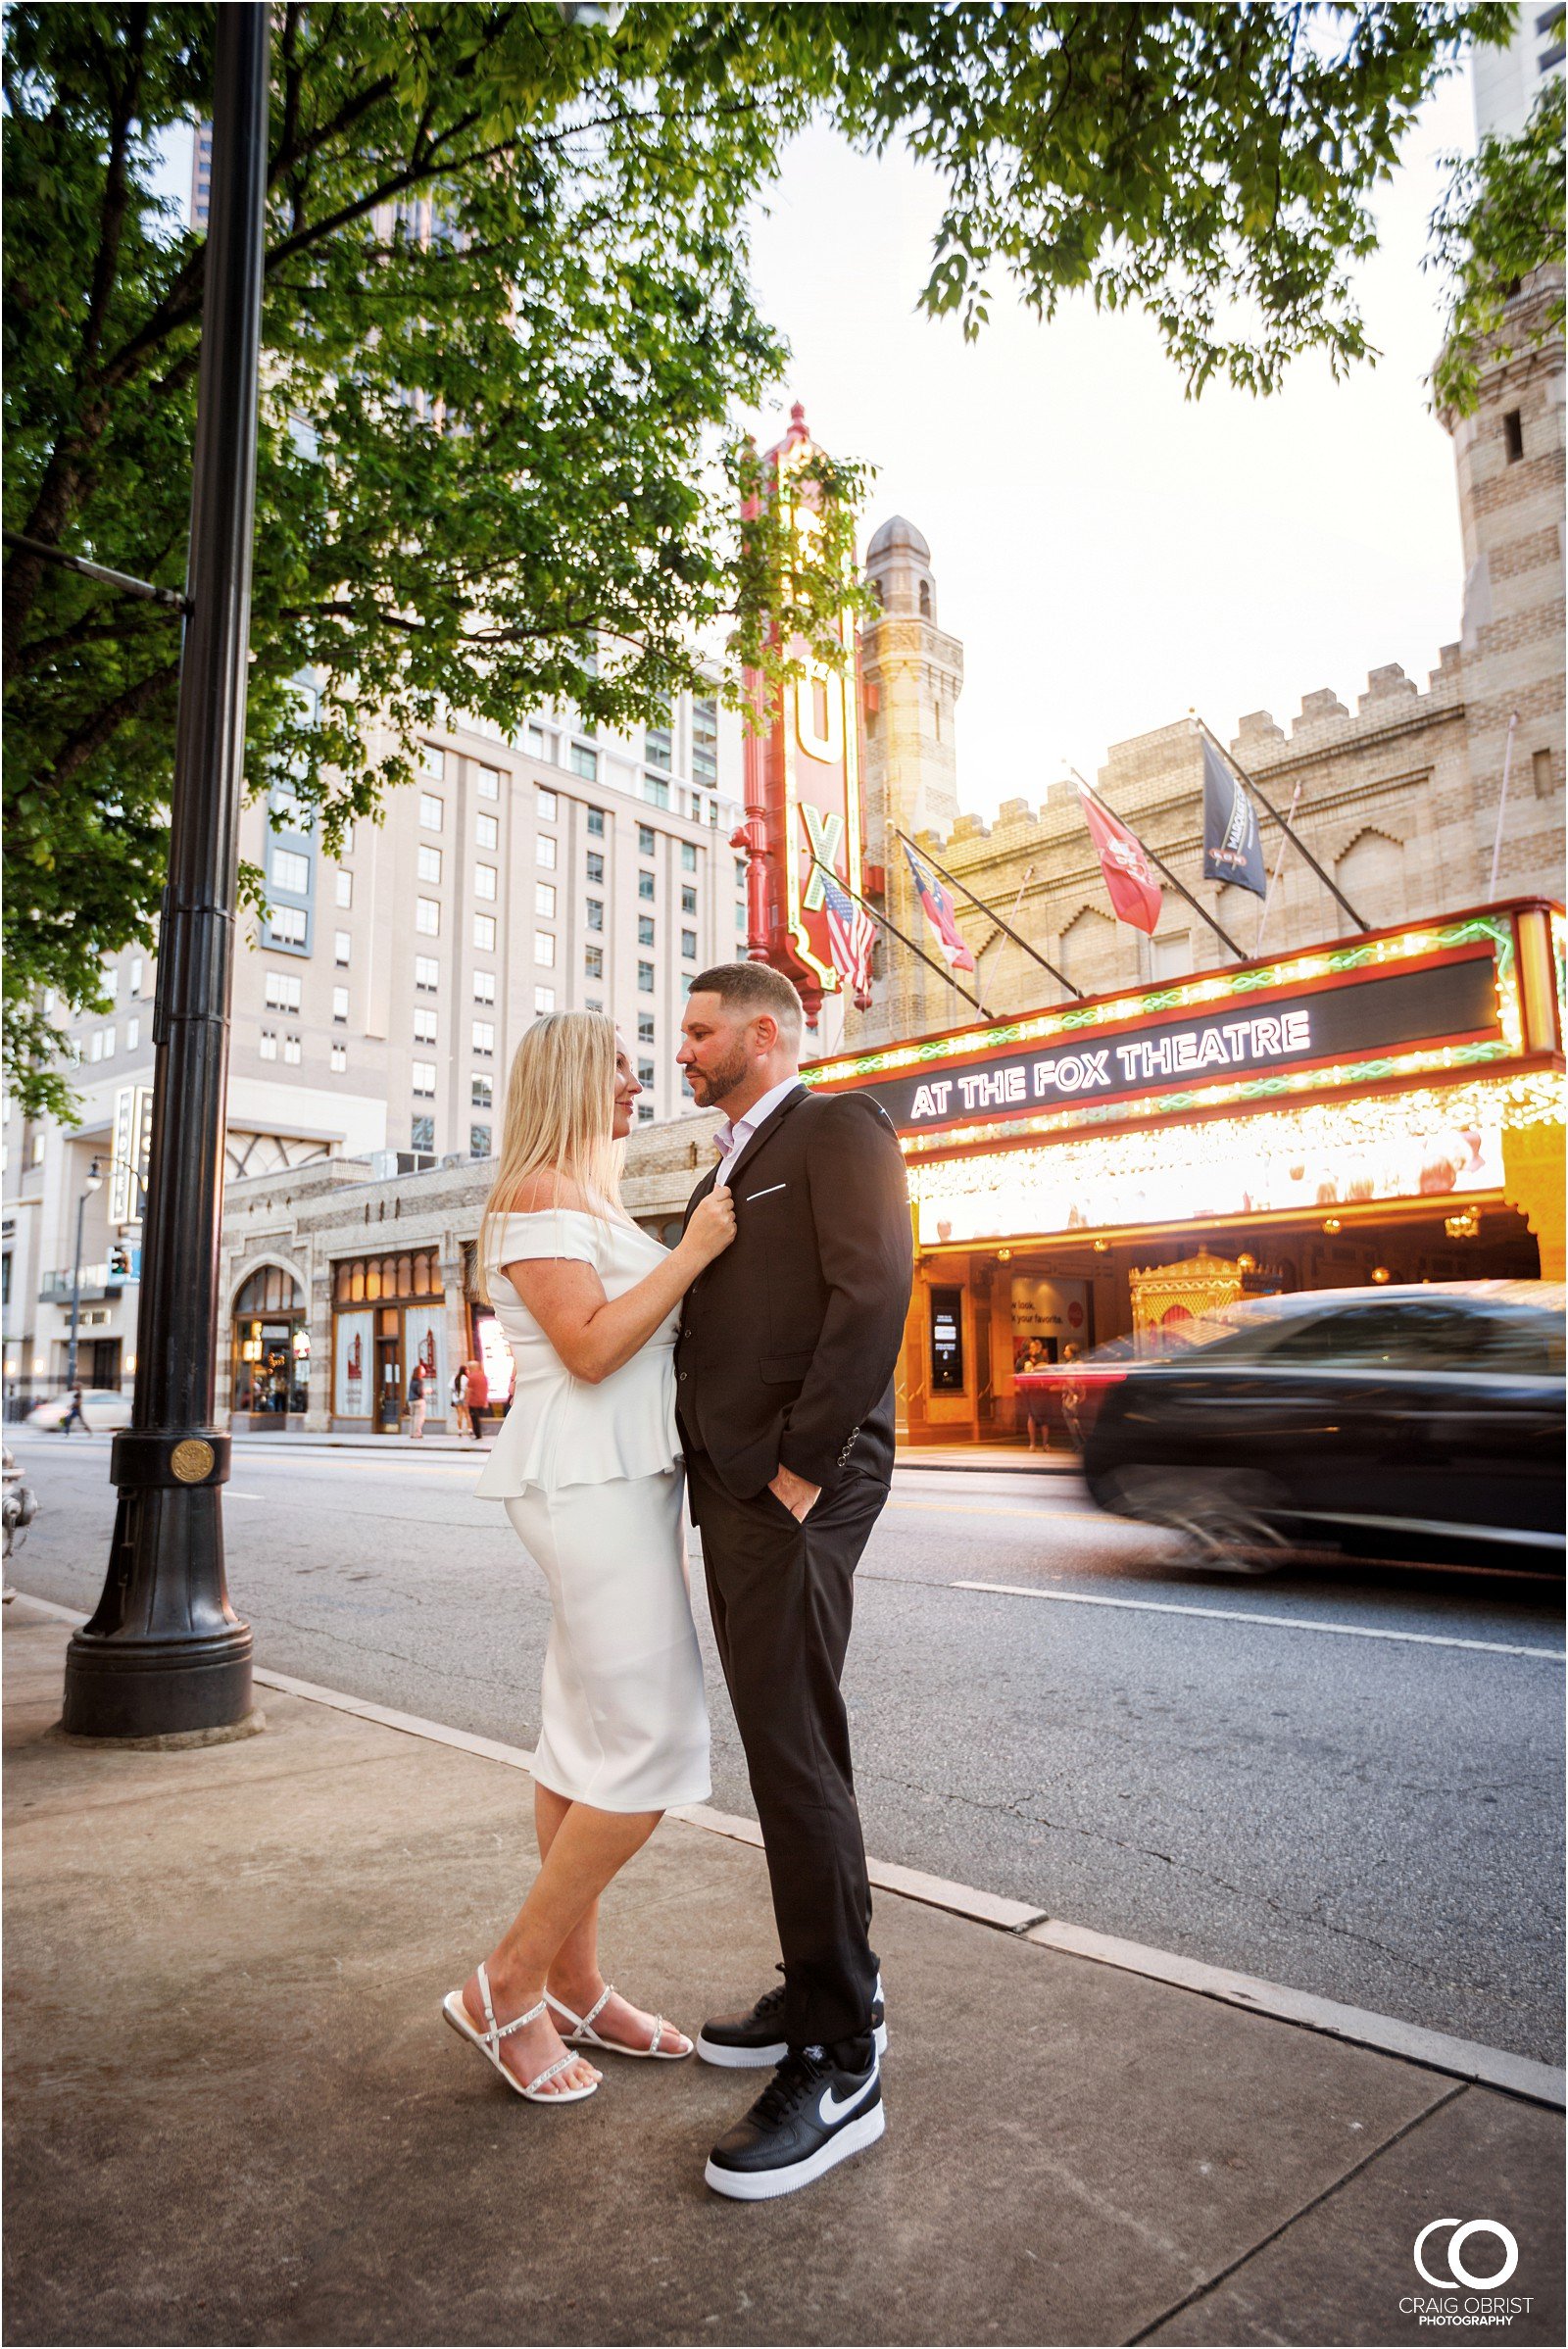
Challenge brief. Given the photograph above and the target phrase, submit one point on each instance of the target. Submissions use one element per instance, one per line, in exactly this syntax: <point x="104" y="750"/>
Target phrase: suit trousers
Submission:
<point x="782" y="1598"/>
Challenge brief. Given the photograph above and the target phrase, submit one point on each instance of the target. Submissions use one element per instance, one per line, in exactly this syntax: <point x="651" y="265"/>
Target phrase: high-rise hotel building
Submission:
<point x="376" y="1007"/>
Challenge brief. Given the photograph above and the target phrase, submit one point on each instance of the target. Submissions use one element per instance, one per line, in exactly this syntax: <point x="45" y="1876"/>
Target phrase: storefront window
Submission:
<point x="389" y="1322"/>
<point x="271" y="1346"/>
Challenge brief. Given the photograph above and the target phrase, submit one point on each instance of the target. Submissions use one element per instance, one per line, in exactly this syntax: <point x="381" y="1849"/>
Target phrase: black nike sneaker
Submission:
<point x="754" y="2041"/>
<point x="810" y="2115"/>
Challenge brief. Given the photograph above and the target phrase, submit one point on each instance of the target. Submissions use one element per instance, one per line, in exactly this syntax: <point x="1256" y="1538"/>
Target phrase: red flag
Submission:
<point x="1130" y="882"/>
<point x="938" y="908"/>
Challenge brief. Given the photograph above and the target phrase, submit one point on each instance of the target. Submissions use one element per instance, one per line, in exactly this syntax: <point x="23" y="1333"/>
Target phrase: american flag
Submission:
<point x="851" y="935"/>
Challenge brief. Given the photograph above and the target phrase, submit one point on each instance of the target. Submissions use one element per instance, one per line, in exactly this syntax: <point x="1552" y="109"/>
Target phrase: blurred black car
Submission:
<point x="1423" y="1422"/>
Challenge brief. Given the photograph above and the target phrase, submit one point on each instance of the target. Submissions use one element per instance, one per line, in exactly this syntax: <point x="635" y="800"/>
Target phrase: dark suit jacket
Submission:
<point x="789" y="1341"/>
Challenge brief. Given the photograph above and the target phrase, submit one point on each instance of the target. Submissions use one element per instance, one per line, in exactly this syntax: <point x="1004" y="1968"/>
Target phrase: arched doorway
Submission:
<point x="271" y="1363"/>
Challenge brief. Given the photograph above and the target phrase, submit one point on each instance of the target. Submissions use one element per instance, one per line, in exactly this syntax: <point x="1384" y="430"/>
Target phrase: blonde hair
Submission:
<point x="559" y="1116"/>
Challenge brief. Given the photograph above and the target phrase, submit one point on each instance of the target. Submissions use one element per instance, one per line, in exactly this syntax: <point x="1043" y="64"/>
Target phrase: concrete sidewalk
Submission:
<point x="235" y="2115"/>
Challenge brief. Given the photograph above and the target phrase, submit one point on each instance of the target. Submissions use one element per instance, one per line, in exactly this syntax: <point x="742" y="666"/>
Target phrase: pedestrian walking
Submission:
<point x="458" y="1399"/>
<point x="588" y="1466"/>
<point x="475" y="1396"/>
<point x="76" y="1415"/>
<point x="416" y="1406"/>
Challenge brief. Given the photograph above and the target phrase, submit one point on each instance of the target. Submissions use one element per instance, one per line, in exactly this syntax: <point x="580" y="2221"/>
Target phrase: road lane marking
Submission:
<point x="1281" y="1623"/>
<point x="1432" y="2051"/>
<point x="952" y="1508"/>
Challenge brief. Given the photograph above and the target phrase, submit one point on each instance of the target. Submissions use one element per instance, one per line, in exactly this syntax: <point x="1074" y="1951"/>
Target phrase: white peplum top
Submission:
<point x="560" y="1429"/>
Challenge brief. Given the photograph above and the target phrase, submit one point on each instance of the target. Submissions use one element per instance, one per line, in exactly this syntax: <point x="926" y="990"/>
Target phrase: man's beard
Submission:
<point x="725" y="1079"/>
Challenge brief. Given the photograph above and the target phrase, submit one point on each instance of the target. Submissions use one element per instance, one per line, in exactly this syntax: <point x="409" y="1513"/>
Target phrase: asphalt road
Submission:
<point x="1136" y="1748"/>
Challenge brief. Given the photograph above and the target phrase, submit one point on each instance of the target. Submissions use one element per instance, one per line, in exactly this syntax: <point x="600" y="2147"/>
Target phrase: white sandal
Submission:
<point x="583" y="2034"/>
<point x="488" y="2041"/>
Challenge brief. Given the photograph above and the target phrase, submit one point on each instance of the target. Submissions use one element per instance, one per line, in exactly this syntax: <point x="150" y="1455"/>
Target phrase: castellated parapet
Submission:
<point x="1398" y="797"/>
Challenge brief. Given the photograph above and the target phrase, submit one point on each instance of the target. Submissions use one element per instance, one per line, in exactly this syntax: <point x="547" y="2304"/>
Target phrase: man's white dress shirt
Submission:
<point x="733" y="1136"/>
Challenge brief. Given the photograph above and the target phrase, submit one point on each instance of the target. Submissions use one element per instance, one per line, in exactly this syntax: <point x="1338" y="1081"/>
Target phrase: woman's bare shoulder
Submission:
<point x="537" y="1193"/>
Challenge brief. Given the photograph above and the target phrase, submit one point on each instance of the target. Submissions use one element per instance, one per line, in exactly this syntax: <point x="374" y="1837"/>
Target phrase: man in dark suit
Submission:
<point x="784" y="1387"/>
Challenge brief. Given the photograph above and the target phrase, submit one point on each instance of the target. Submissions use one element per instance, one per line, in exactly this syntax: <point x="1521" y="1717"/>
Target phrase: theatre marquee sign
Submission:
<point x="1249" y="1024"/>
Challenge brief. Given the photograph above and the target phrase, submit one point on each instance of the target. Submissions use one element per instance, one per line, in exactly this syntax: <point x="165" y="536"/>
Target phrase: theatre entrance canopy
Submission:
<point x="1394" y="1079"/>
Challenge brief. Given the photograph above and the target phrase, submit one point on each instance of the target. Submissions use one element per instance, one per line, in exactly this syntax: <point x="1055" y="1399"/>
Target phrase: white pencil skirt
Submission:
<point x="623" y="1719"/>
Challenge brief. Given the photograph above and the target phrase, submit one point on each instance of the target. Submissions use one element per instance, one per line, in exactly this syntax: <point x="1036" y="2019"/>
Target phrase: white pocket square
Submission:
<point x="767" y="1193"/>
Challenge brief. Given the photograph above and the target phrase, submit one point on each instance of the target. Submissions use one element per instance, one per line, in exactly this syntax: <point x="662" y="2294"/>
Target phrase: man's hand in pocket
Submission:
<point x="797" y="1496"/>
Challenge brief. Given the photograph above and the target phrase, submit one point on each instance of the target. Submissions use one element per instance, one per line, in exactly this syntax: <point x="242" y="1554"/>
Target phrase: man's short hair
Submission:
<point x="749" y="988"/>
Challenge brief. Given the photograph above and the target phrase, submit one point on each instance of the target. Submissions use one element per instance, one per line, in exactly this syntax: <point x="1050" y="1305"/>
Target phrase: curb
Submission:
<point x="1496" y="2068"/>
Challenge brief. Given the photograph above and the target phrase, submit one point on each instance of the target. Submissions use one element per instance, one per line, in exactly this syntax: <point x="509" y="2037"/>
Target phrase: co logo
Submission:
<point x="1458" y="2272"/>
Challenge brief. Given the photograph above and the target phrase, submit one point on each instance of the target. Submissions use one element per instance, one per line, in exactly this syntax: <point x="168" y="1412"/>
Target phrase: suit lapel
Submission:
<point x="764" y="1135"/>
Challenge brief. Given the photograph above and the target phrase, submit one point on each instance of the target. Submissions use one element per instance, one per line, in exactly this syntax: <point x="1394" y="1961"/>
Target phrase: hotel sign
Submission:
<point x="1351" y="1015"/>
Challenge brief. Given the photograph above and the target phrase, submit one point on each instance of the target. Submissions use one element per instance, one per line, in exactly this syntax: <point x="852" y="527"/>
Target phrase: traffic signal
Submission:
<point x="119" y="1262"/>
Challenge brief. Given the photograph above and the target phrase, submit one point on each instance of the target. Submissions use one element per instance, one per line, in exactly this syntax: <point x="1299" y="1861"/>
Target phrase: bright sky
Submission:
<point x="1109" y="552"/>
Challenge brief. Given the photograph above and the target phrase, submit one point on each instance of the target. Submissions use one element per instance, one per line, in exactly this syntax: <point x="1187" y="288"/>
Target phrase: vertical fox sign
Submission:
<point x="802" y="833"/>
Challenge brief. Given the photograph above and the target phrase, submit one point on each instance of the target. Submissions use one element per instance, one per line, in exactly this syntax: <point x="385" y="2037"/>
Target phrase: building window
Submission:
<point x="347" y="848"/>
<point x="430" y="866"/>
<point x="644" y="888"/>
<point x="341" y="943"/>
<point x="1513" y="435"/>
<point x="484" y="933"/>
<point x="596" y="824"/>
<point x="484" y="985"/>
<point x="656" y="791"/>
<point x="487" y="782"/>
<point x="484" y="881"/>
<point x="544" y="1000"/>
<point x="740" y="872"/>
<point x="432" y="812"/>
<point x="596" y="913"/>
<point x="427" y="917"/>
<point x="287" y="925"/>
<point x="657" y="745"/>
<point x="544" y="851"/>
<point x="132" y="1033"/>
<point x="432" y="761"/>
<point x="484" y="1039"/>
<point x="282" y="993"/>
<point x="425" y="1025"/>
<point x="688" y="856"/>
<point x="543" y="949"/>
<point x="291" y="1050"/>
<point x="483" y="1093"/>
<point x="740" y="917"/>
<point x="267" y="1048"/>
<point x="289" y="870"/>
<point x="421" y="1134"/>
<point x="344" y="886"/>
<point x="645" y="978"/>
<point x="340" y="1059"/>
<point x="593" y="962"/>
<point x="544" y="900"/>
<point x="135" y="976"/>
<point x="426" y="973"/>
<point x="423" y="1072"/>
<point x="479" y="1142"/>
<point x="340" y="1006"/>
<point x="1540" y="774"/>
<point x="688" y="945"/>
<point x="109" y="1044"/>
<point x="596" y="867"/>
<point x="645" y="1073"/>
<point x="539" y="743"/>
<point x="647" y="840"/>
<point x="645" y="1027"/>
<point x="705" y="740"/>
<point x="688" y="901"/>
<point x="645" y="1114"/>
<point x="645" y="929"/>
<point x="546" y="807"/>
<point x="585" y="763"/>
<point x="487" y="832"/>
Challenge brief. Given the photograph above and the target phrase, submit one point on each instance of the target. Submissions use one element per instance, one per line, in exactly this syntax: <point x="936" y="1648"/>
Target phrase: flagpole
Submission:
<point x="1028" y="876"/>
<point x="1333" y="888"/>
<point x="1274" y="877"/>
<point x="839" y="882"/>
<point x="1180" y="887"/>
<point x="1060" y="978"/>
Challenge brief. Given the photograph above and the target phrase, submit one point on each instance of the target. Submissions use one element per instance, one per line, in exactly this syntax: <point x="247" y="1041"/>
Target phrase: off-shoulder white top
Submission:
<point x="560" y="1429"/>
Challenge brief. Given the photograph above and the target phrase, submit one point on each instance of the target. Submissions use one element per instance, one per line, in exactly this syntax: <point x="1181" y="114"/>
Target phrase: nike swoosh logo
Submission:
<point x="831" y="2109"/>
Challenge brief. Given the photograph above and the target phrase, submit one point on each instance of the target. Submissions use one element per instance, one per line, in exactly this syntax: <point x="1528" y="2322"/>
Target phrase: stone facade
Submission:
<point x="1397" y="797"/>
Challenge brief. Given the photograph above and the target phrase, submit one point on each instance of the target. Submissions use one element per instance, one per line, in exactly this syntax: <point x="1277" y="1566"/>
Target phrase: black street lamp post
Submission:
<point x="89" y="1186"/>
<point x="165" y="1653"/>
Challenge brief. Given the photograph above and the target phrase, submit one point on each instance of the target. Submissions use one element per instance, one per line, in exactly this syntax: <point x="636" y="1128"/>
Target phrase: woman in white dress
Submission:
<point x="588" y="1465"/>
